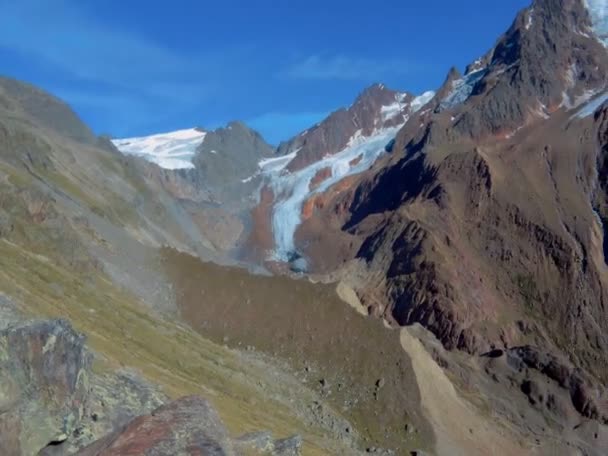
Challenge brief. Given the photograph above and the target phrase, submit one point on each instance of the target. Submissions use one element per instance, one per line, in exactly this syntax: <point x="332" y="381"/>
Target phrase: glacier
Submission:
<point x="173" y="150"/>
<point x="291" y="189"/>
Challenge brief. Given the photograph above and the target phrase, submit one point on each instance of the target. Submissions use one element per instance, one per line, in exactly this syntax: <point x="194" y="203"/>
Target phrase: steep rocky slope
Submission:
<point x="485" y="224"/>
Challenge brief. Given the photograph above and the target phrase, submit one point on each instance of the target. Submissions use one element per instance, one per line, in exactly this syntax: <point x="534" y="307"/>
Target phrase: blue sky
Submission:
<point x="137" y="67"/>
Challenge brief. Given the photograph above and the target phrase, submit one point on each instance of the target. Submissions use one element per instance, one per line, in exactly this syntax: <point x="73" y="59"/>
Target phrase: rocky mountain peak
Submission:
<point x="548" y="58"/>
<point x="376" y="108"/>
<point x="236" y="128"/>
<point x="453" y="75"/>
<point x="376" y="95"/>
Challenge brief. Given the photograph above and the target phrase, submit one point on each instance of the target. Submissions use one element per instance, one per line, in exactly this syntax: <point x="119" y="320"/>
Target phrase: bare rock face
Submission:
<point x="588" y="399"/>
<point x="188" y="426"/>
<point x="52" y="405"/>
<point x="546" y="60"/>
<point x="226" y="164"/>
<point x="43" y="381"/>
<point x="114" y="399"/>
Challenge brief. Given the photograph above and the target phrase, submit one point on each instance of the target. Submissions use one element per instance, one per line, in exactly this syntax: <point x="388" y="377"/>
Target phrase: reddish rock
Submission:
<point x="43" y="371"/>
<point x="355" y="161"/>
<point x="188" y="426"/>
<point x="322" y="175"/>
<point x="261" y="240"/>
<point x="309" y="207"/>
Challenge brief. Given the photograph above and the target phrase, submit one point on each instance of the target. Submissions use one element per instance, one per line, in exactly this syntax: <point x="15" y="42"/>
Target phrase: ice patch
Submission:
<point x="598" y="10"/>
<point x="514" y="132"/>
<point x="530" y="19"/>
<point x="421" y="100"/>
<point x="269" y="165"/>
<point x="585" y="97"/>
<point x="390" y="111"/>
<point x="173" y="150"/>
<point x="292" y="190"/>
<point x="592" y="106"/>
<point x="462" y="89"/>
<point x="542" y="111"/>
<point x="356" y="138"/>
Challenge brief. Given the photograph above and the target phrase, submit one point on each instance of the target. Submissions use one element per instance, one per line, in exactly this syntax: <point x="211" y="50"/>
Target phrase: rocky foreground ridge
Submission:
<point x="52" y="404"/>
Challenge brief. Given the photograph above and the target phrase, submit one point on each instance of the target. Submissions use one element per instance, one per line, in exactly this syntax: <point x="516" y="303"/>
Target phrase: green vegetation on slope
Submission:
<point x="167" y="353"/>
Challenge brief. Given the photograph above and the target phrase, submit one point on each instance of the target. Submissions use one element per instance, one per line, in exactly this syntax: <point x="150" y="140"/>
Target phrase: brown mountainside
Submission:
<point x="483" y="224"/>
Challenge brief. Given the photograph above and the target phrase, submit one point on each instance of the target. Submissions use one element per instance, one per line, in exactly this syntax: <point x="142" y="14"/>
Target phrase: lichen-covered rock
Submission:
<point x="43" y="385"/>
<point x="188" y="426"/>
<point x="114" y="400"/>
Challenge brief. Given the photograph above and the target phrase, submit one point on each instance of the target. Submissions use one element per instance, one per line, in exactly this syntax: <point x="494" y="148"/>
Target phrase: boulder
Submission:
<point x="188" y="426"/>
<point x="43" y="385"/>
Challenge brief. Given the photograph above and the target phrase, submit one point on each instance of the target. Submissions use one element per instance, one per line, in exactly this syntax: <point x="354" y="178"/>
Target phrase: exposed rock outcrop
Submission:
<point x="52" y="404"/>
<point x="44" y="370"/>
<point x="188" y="426"/>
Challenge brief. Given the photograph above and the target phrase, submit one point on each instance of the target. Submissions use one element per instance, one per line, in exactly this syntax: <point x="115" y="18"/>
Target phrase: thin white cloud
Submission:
<point x="126" y="69"/>
<point x="61" y="34"/>
<point x="346" y="68"/>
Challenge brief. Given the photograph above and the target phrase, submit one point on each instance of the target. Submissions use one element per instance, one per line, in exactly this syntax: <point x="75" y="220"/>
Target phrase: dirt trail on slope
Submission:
<point x="460" y="429"/>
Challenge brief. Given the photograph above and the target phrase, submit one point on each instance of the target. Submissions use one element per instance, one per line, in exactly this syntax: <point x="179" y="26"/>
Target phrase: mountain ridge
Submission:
<point x="432" y="270"/>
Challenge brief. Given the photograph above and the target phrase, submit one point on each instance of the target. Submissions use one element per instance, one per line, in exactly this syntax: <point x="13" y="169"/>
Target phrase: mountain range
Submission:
<point x="415" y="274"/>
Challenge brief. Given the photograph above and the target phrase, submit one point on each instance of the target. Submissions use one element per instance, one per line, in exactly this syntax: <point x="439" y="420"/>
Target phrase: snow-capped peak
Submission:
<point x="173" y="150"/>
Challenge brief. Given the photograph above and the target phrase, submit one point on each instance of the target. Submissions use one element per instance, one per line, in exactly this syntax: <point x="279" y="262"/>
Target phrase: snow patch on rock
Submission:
<point x="420" y="101"/>
<point x="591" y="106"/>
<point x="462" y="89"/>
